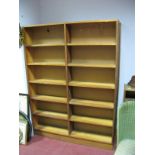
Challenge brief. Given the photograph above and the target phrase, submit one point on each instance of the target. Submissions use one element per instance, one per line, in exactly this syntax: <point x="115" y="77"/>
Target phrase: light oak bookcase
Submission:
<point x="72" y="72"/>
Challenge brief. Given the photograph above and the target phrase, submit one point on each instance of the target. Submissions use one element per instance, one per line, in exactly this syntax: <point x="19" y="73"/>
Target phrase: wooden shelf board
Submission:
<point x="92" y="103"/>
<point x="44" y="45"/>
<point x="93" y="21"/>
<point x="92" y="44"/>
<point x="93" y="121"/>
<point x="43" y="25"/>
<point x="86" y="64"/>
<point x="50" y="99"/>
<point x="48" y="114"/>
<point x="92" y="84"/>
<point x="46" y="64"/>
<point x="50" y="129"/>
<point x="92" y="137"/>
<point x="49" y="82"/>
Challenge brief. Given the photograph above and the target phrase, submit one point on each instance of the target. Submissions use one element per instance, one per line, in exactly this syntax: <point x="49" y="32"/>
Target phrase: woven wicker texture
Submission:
<point x="21" y="118"/>
<point x="126" y="147"/>
<point x="126" y="121"/>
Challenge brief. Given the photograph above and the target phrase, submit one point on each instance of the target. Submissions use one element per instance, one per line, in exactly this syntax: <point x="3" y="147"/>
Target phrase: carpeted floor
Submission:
<point x="45" y="146"/>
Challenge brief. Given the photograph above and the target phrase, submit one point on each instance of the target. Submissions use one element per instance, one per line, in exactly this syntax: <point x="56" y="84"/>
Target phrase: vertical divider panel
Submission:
<point x="27" y="38"/>
<point x="29" y="55"/>
<point x="117" y="55"/>
<point x="29" y="75"/>
<point x="33" y="109"/>
<point x="66" y="35"/>
<point x="28" y="59"/>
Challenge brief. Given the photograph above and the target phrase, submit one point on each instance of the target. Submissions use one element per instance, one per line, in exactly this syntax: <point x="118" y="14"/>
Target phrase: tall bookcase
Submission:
<point x="72" y="72"/>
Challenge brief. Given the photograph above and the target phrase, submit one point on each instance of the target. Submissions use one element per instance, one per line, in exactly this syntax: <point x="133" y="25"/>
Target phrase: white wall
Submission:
<point x="28" y="14"/>
<point x="76" y="10"/>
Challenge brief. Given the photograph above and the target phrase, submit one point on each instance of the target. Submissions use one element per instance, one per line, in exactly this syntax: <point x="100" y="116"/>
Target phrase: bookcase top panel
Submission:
<point x="76" y="22"/>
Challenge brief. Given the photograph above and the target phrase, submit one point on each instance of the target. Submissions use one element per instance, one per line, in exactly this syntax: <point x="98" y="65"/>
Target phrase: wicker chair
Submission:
<point x="126" y="129"/>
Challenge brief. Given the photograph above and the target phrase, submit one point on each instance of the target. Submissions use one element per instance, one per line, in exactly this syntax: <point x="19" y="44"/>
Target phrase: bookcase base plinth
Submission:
<point x="75" y="140"/>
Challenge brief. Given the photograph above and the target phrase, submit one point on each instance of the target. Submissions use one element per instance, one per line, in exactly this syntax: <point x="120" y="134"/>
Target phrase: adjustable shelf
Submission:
<point x="94" y="64"/>
<point x="92" y="85"/>
<point x="112" y="43"/>
<point x="91" y="103"/>
<point x="44" y="45"/>
<point x="54" y="130"/>
<point x="55" y="115"/>
<point x="49" y="98"/>
<point x="49" y="82"/>
<point x="92" y="137"/>
<point x="46" y="64"/>
<point x="72" y="73"/>
<point x="93" y="121"/>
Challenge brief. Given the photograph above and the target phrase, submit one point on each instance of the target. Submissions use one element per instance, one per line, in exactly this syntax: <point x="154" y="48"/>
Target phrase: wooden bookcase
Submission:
<point x="72" y="72"/>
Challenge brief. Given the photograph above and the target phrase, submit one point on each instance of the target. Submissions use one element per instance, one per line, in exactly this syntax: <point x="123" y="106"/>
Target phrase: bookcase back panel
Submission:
<point x="92" y="129"/>
<point x="92" y="54"/>
<point x="47" y="72"/>
<point x="45" y="35"/>
<point x="58" y="91"/>
<point x="51" y="106"/>
<point x="92" y="112"/>
<point x="47" y="54"/>
<point x="52" y="122"/>
<point x="98" y="75"/>
<point x="93" y="32"/>
<point x="93" y="94"/>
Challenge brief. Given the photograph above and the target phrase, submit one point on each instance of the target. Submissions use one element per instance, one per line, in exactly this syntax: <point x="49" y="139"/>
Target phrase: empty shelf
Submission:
<point x="92" y="84"/>
<point x="48" y="114"/>
<point x="92" y="137"/>
<point x="46" y="64"/>
<point x="95" y="65"/>
<point x="92" y="44"/>
<point x="44" y="45"/>
<point x="54" y="130"/>
<point x="93" y="121"/>
<point x="92" y="103"/>
<point x="50" y="98"/>
<point x="47" y="81"/>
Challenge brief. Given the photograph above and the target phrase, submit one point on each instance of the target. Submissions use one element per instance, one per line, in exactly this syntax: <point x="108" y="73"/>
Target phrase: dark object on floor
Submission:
<point x="129" y="93"/>
<point x="26" y="118"/>
<point x="20" y="135"/>
<point x="132" y="81"/>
